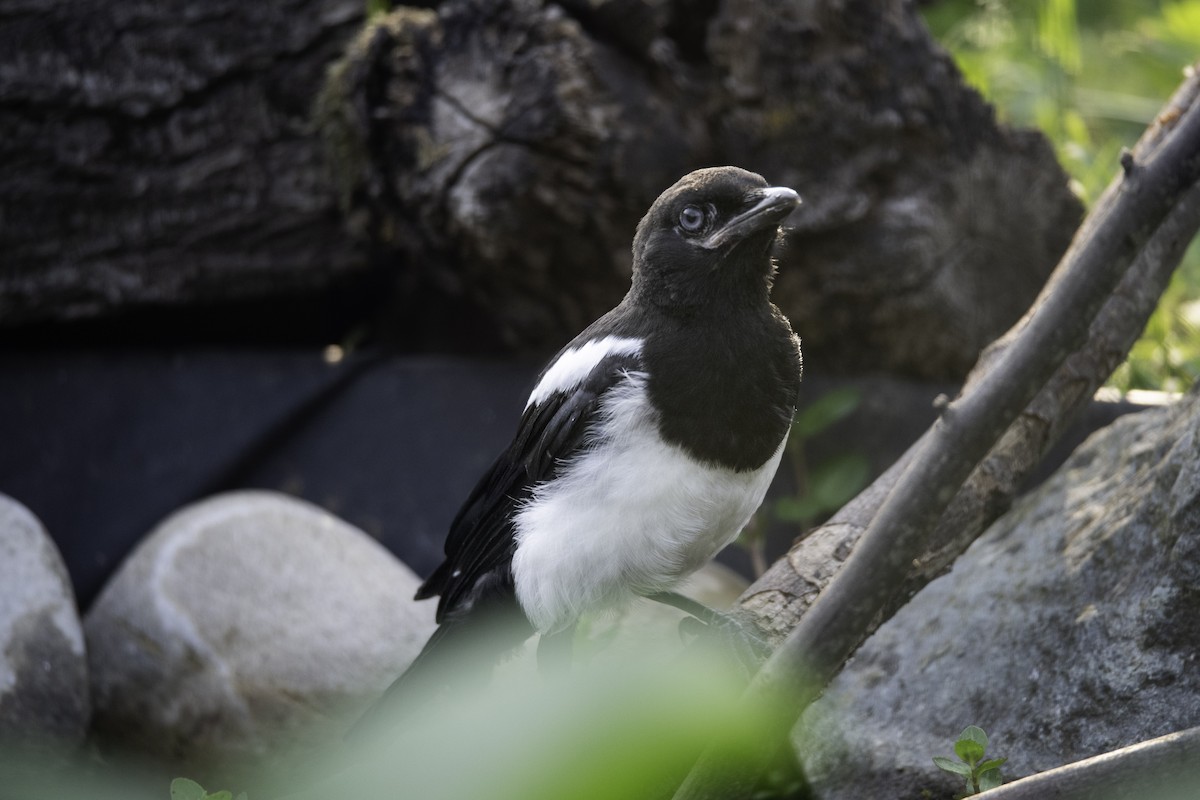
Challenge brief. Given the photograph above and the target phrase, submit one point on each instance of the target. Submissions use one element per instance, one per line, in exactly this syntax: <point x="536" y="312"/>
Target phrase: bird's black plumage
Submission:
<point x="481" y="535"/>
<point x="696" y="359"/>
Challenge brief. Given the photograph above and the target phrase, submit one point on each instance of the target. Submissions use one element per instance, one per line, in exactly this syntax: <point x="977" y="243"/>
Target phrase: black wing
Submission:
<point x="481" y="540"/>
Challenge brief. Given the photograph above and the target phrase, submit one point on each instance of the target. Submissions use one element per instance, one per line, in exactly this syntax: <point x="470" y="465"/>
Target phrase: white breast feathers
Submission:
<point x="632" y="515"/>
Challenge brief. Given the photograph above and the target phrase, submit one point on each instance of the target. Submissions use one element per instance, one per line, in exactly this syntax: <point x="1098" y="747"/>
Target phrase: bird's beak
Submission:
<point x="766" y="209"/>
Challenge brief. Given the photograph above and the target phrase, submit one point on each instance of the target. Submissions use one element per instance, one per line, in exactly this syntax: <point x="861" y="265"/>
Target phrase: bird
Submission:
<point x="647" y="442"/>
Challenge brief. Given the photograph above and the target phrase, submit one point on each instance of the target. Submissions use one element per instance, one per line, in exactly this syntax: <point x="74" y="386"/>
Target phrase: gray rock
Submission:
<point x="1069" y="629"/>
<point x="43" y="668"/>
<point x="248" y="621"/>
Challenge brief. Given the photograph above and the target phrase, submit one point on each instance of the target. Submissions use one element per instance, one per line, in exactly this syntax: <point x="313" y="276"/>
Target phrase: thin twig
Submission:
<point x="1166" y="768"/>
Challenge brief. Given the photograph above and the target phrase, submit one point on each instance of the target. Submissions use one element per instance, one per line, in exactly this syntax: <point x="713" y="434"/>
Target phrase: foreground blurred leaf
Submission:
<point x="185" y="789"/>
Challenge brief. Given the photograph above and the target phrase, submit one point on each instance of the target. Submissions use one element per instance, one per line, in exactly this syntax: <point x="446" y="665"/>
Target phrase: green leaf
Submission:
<point x="825" y="411"/>
<point x="989" y="779"/>
<point x="950" y="765"/>
<point x="974" y="734"/>
<point x="991" y="763"/>
<point x="968" y="750"/>
<point x="185" y="789"/>
<point x="224" y="794"/>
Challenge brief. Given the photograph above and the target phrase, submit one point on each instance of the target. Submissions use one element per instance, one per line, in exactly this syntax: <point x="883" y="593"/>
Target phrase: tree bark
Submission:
<point x="494" y="157"/>
<point x="160" y="154"/>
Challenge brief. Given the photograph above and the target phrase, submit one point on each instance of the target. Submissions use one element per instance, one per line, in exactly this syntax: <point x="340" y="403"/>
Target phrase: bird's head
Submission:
<point x="709" y="238"/>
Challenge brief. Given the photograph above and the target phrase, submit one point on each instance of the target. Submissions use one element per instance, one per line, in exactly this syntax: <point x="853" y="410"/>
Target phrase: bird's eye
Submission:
<point x="691" y="219"/>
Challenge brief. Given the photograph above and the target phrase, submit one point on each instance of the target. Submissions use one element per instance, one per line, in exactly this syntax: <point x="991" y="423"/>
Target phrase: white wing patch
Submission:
<point x="632" y="515"/>
<point x="574" y="365"/>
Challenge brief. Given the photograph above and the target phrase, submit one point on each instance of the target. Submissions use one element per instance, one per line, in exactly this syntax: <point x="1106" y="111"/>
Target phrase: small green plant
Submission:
<point x="184" y="789"/>
<point x="978" y="774"/>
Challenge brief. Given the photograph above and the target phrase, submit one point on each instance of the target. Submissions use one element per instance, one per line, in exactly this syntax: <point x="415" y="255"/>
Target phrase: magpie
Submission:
<point x="647" y="442"/>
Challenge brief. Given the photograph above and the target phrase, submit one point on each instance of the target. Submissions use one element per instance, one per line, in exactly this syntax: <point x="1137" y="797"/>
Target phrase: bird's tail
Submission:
<point x="462" y="651"/>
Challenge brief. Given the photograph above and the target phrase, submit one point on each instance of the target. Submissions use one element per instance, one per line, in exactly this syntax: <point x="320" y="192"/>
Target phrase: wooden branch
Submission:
<point x="785" y="592"/>
<point x="1122" y="225"/>
<point x="1166" y="768"/>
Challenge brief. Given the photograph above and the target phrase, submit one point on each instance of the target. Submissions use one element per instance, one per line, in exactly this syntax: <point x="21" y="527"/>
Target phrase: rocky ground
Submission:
<point x="1068" y="630"/>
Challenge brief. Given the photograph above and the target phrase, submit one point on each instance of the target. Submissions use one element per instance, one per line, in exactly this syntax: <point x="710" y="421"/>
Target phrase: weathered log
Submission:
<point x="160" y="153"/>
<point x="494" y="157"/>
<point x="506" y="155"/>
<point x="506" y="149"/>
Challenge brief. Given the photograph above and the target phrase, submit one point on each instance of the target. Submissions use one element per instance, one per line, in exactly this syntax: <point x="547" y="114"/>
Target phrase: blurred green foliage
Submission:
<point x="186" y="789"/>
<point x="1091" y="75"/>
<point x="626" y="725"/>
<point x="607" y="730"/>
